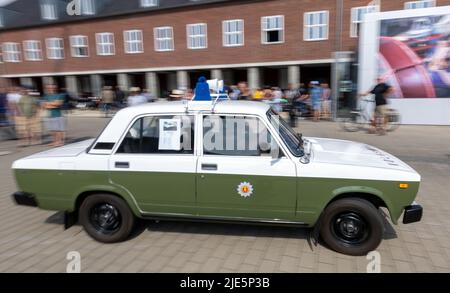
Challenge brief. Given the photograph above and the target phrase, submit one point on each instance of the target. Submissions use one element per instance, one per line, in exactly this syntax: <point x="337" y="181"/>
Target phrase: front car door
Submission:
<point x="156" y="163"/>
<point x="237" y="174"/>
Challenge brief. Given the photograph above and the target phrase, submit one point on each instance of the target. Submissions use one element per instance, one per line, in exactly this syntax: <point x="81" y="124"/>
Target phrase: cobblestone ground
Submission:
<point x="32" y="240"/>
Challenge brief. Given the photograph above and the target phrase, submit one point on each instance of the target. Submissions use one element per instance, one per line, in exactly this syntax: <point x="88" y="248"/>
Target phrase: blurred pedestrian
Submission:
<point x="326" y="101"/>
<point x="315" y="94"/>
<point x="107" y="97"/>
<point x="244" y="91"/>
<point x="258" y="94"/>
<point x="119" y="97"/>
<point x="176" y="95"/>
<point x="3" y="107"/>
<point x="13" y="98"/>
<point x="136" y="98"/>
<point x="56" y="124"/>
<point x="380" y="120"/>
<point x="28" y="125"/>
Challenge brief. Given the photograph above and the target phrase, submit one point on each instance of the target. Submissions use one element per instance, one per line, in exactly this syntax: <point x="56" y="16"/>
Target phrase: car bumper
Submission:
<point x="413" y="213"/>
<point x="25" y="199"/>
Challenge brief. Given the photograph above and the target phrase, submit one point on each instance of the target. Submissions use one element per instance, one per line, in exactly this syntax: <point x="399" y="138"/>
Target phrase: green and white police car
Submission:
<point x="198" y="160"/>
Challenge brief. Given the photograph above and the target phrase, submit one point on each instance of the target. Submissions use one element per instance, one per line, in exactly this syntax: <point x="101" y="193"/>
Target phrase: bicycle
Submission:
<point x="361" y="119"/>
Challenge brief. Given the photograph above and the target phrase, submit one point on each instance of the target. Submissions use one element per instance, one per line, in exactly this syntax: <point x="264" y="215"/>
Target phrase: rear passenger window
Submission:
<point x="160" y="135"/>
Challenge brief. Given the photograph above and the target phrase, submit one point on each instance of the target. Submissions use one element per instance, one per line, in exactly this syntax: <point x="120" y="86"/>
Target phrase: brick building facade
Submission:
<point x="161" y="45"/>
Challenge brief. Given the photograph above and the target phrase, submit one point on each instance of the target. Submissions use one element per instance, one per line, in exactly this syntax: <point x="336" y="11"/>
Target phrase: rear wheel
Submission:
<point x="352" y="123"/>
<point x="352" y="226"/>
<point x="106" y="218"/>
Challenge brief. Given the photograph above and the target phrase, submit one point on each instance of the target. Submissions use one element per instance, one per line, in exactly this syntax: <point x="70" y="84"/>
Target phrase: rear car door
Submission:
<point x="155" y="162"/>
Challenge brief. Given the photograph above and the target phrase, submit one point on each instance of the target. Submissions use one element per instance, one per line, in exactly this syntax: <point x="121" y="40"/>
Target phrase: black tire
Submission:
<point x="106" y="218"/>
<point x="352" y="226"/>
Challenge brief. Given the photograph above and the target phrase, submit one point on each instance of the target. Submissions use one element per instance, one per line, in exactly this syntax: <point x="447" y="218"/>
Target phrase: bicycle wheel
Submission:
<point x="352" y="123"/>
<point x="394" y="120"/>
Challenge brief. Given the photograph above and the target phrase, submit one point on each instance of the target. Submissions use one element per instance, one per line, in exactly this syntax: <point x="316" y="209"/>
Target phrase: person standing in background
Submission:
<point x="326" y="101"/>
<point x="3" y="107"/>
<point x="28" y="129"/>
<point x="315" y="93"/>
<point x="53" y="102"/>
<point x="136" y="98"/>
<point x="108" y="97"/>
<point x="13" y="98"/>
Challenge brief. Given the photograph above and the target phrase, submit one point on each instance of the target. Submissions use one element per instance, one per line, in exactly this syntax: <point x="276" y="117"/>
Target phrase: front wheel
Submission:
<point x="352" y="226"/>
<point x="352" y="123"/>
<point x="106" y="218"/>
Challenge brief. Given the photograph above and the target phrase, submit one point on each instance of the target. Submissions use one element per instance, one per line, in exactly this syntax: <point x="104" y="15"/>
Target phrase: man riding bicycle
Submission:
<point x="380" y="120"/>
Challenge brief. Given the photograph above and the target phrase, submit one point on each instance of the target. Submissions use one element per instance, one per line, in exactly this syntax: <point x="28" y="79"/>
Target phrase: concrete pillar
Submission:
<point x="72" y="85"/>
<point x="283" y="78"/>
<point x="123" y="81"/>
<point x="152" y="83"/>
<point x="183" y="81"/>
<point x="217" y="73"/>
<point x="48" y="80"/>
<point x="294" y="75"/>
<point x="96" y="84"/>
<point x="26" y="81"/>
<point x="254" y="77"/>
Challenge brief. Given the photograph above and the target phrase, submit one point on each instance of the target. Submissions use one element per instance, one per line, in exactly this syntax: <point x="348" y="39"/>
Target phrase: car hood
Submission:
<point x="70" y="150"/>
<point x="332" y="151"/>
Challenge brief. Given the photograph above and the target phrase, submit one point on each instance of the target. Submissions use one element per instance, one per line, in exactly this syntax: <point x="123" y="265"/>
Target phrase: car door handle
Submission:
<point x="122" y="165"/>
<point x="209" y="167"/>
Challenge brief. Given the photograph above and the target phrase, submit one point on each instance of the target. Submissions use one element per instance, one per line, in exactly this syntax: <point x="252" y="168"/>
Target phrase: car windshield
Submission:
<point x="292" y="140"/>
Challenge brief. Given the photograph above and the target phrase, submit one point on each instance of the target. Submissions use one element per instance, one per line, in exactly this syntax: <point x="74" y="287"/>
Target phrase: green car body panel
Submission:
<point x="289" y="199"/>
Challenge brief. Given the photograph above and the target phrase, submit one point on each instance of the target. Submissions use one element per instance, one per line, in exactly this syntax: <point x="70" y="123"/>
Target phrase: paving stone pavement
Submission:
<point x="33" y="240"/>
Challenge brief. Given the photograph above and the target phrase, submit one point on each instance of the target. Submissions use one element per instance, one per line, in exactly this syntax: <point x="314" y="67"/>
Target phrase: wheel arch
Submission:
<point x="82" y="195"/>
<point x="375" y="197"/>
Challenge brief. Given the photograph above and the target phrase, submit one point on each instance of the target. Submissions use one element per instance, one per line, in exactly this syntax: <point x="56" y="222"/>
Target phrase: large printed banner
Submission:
<point x="414" y="56"/>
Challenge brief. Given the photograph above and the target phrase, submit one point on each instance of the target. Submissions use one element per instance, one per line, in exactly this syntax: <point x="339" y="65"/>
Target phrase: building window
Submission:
<point x="358" y="16"/>
<point x="420" y="4"/>
<point x="2" y="21"/>
<point x="48" y="10"/>
<point x="87" y="7"/>
<point x="32" y="50"/>
<point x="163" y="39"/>
<point x="105" y="44"/>
<point x="79" y="46"/>
<point x="149" y="3"/>
<point x="55" y="48"/>
<point x="197" y="36"/>
<point x="316" y="26"/>
<point x="133" y="42"/>
<point x="11" y="52"/>
<point x="233" y="33"/>
<point x="272" y="29"/>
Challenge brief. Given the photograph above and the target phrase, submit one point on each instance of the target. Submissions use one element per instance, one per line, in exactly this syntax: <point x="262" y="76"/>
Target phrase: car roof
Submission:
<point x="220" y="107"/>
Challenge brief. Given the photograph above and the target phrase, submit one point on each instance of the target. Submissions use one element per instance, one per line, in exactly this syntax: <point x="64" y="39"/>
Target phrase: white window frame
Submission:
<point x="158" y="41"/>
<point x="238" y="33"/>
<point x="354" y="23"/>
<point x="88" y="7"/>
<point x="307" y="26"/>
<point x="49" y="10"/>
<point x="420" y="4"/>
<point x="264" y="30"/>
<point x="149" y="3"/>
<point x="55" y="49"/>
<point x="190" y="37"/>
<point x="11" y="55"/>
<point x="101" y="45"/>
<point x="75" y="45"/>
<point x="32" y="50"/>
<point x="140" y="41"/>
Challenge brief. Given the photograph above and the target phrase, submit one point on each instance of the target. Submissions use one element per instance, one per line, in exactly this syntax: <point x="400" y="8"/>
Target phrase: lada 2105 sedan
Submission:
<point x="191" y="161"/>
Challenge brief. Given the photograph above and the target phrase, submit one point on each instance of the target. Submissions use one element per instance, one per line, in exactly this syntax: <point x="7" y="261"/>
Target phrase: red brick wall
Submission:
<point x="294" y="47"/>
